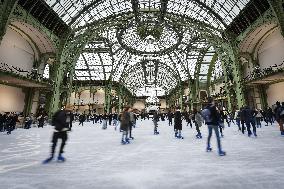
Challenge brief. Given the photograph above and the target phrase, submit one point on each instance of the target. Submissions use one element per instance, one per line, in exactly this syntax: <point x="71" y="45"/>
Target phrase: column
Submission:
<point x="29" y="95"/>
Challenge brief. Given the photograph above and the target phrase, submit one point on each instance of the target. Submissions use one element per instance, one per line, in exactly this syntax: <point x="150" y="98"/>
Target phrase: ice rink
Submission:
<point x="96" y="159"/>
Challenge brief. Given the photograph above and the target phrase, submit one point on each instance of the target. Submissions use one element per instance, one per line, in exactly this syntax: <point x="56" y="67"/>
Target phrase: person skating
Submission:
<point x="221" y="121"/>
<point x="71" y="114"/>
<point x="155" y="121"/>
<point x="178" y="124"/>
<point x="198" y="122"/>
<point x="279" y="116"/>
<point x="170" y="117"/>
<point x="82" y="119"/>
<point x="125" y="125"/>
<point x="238" y="119"/>
<point x="60" y="121"/>
<point x="132" y="123"/>
<point x="250" y="120"/>
<point x="258" y="118"/>
<point x="105" y="119"/>
<point x="212" y="117"/>
<point x="242" y="119"/>
<point x="40" y="119"/>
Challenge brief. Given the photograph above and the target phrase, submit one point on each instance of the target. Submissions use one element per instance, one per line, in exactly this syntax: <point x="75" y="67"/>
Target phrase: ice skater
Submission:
<point x="155" y="121"/>
<point x="132" y="123"/>
<point x="170" y="117"/>
<point x="105" y="118"/>
<point x="178" y="124"/>
<point x="60" y="121"/>
<point x="212" y="117"/>
<point x="250" y="120"/>
<point x="198" y="122"/>
<point x="125" y="125"/>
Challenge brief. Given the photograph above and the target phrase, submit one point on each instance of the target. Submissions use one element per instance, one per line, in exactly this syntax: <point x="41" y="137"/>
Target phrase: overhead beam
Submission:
<point x="6" y="9"/>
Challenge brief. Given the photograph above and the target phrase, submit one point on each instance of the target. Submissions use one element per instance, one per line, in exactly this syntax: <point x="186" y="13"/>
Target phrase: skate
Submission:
<point x="127" y="141"/>
<point x="132" y="138"/>
<point x="60" y="158"/>
<point x="176" y="135"/>
<point x="199" y="136"/>
<point x="255" y="134"/>
<point x="47" y="160"/>
<point x="123" y="142"/>
<point x="222" y="153"/>
<point x="180" y="137"/>
<point x="156" y="132"/>
<point x="208" y="149"/>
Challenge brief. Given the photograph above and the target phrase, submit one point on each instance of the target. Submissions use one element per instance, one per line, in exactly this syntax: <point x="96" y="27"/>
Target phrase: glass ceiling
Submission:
<point x="80" y="12"/>
<point x="150" y="53"/>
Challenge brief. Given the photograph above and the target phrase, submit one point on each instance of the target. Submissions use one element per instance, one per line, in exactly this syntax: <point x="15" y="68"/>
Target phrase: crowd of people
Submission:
<point x="9" y="121"/>
<point x="247" y="119"/>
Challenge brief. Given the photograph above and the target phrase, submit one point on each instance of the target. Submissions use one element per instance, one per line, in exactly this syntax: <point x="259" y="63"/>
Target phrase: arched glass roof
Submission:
<point x="150" y="46"/>
<point x="78" y="12"/>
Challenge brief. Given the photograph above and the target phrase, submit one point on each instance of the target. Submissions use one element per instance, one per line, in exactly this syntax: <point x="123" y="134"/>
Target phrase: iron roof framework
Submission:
<point x="148" y="45"/>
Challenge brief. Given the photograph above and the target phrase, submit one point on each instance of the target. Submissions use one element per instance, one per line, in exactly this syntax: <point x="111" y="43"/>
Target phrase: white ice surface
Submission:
<point x="96" y="159"/>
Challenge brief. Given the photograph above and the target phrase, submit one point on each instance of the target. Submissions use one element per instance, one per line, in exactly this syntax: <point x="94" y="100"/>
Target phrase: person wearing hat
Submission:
<point x="60" y="121"/>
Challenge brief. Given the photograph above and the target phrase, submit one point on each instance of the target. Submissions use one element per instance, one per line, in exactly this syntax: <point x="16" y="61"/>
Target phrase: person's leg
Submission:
<point x="53" y="146"/>
<point x="124" y="138"/>
<point x="266" y="121"/>
<point x="257" y="122"/>
<point x="220" y="151"/>
<point x="130" y="132"/>
<point x="54" y="143"/>
<point x="254" y="129"/>
<point x="221" y="131"/>
<point x="9" y="129"/>
<point x="197" y="129"/>
<point x="64" y="137"/>
<point x="239" y="124"/>
<point x="209" y="137"/>
<point x="70" y="125"/>
<point x="248" y="128"/>
<point x="228" y="122"/>
<point x="190" y="123"/>
<point x="243" y="127"/>
<point x="218" y="138"/>
<point x="281" y="126"/>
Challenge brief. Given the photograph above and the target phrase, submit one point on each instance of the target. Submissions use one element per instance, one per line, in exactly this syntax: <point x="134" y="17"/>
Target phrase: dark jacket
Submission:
<point x="248" y="114"/>
<point x="155" y="117"/>
<point x="59" y="120"/>
<point x="178" y="121"/>
<point x="214" y="115"/>
<point x="125" y="121"/>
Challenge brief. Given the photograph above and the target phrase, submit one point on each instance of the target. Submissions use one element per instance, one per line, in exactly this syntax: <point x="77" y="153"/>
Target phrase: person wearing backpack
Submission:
<point x="60" y="121"/>
<point x="212" y="117"/>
